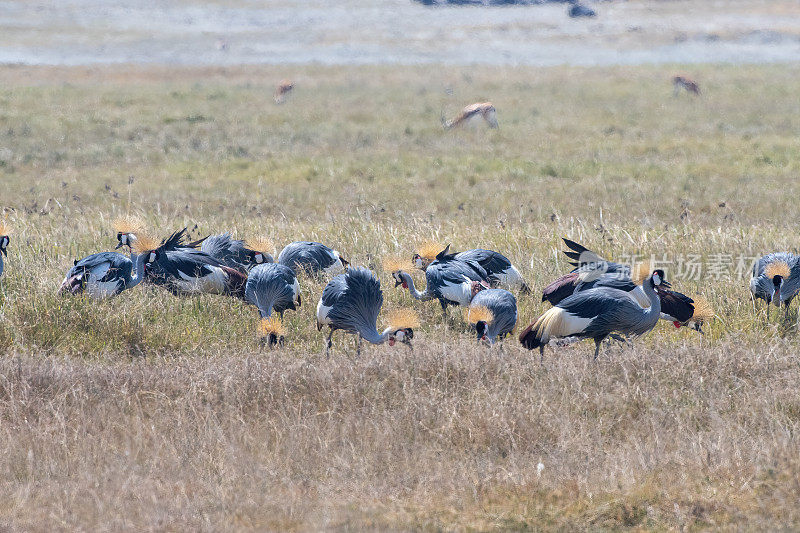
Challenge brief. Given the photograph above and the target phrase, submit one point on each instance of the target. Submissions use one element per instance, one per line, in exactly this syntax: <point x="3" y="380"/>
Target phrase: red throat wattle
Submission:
<point x="676" y="324"/>
<point x="391" y="342"/>
<point x="405" y="285"/>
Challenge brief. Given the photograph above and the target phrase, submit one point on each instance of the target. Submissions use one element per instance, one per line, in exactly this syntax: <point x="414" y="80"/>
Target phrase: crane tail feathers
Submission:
<point x="553" y="323"/>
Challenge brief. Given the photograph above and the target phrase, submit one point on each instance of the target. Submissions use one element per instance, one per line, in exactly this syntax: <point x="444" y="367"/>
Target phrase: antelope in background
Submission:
<point x="481" y="109"/>
<point x="283" y="89"/>
<point x="682" y="82"/>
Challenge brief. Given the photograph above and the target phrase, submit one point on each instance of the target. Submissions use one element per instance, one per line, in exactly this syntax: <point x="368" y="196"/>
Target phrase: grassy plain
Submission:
<point x="154" y="412"/>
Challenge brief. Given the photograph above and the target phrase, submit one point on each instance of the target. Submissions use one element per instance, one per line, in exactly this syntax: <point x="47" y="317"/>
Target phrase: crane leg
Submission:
<point x="358" y="346"/>
<point x="597" y="343"/>
<point x="541" y="355"/>
<point x="328" y="345"/>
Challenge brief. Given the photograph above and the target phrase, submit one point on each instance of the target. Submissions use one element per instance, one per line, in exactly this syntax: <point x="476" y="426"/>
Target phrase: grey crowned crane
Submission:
<point x="675" y="306"/>
<point x="312" y="258"/>
<point x="499" y="269"/>
<point x="234" y="253"/>
<point x="473" y="112"/>
<point x="272" y="287"/>
<point x="187" y="270"/>
<point x="5" y="240"/>
<point x="449" y="280"/>
<point x="352" y="301"/>
<point x="776" y="279"/>
<point x="596" y="314"/>
<point x="493" y="312"/>
<point x="106" y="274"/>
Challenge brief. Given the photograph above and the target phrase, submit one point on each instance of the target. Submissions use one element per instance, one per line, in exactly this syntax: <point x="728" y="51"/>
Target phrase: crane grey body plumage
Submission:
<point x="272" y="287"/>
<point x="596" y="313"/>
<point x="503" y="306"/>
<point x="104" y="274"/>
<point x="312" y="257"/>
<point x="190" y="271"/>
<point x="578" y="281"/>
<point x="233" y="253"/>
<point x="449" y="280"/>
<point x="351" y="302"/>
<point x="499" y="269"/>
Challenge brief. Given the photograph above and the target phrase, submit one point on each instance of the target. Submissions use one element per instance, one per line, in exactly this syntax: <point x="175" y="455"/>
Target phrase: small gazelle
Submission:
<point x="282" y="91"/>
<point x="480" y="110"/>
<point x="683" y="83"/>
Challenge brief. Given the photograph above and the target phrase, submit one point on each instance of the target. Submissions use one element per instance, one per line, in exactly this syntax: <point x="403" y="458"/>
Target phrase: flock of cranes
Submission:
<point x="597" y="299"/>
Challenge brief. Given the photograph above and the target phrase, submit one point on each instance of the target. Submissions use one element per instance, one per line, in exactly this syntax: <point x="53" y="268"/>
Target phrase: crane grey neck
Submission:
<point x="412" y="289"/>
<point x="1" y="264"/>
<point x="137" y="273"/>
<point x="372" y="335"/>
<point x="655" y="302"/>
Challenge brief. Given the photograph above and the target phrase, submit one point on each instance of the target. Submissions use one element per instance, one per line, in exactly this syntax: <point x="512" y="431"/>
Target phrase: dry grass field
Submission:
<point x="151" y="412"/>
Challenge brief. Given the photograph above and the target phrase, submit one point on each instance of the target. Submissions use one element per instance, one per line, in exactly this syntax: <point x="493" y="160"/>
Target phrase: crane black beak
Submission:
<point x="4" y="252"/>
<point x="118" y="246"/>
<point x="666" y="284"/>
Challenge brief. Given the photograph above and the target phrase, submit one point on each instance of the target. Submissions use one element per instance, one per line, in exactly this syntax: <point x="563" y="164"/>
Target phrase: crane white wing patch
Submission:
<point x="460" y="293"/>
<point x="322" y="313"/>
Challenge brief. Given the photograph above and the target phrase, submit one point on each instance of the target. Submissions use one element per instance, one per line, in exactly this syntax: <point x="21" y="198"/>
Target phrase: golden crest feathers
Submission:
<point x="271" y="326"/>
<point x="144" y="244"/>
<point x="259" y="244"/>
<point x="5" y="229"/>
<point x="403" y="318"/>
<point x="128" y="224"/>
<point x="777" y="268"/>
<point x="395" y="264"/>
<point x="641" y="271"/>
<point x="429" y="250"/>
<point x="702" y="310"/>
<point x="478" y="313"/>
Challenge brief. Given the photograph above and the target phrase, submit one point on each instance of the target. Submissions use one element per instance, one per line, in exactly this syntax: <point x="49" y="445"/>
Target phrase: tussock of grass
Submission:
<point x="167" y="412"/>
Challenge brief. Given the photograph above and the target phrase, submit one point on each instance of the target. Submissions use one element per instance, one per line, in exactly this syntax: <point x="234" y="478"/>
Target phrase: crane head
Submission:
<point x="403" y="335"/>
<point x="127" y="228"/>
<point x="4" y="241"/>
<point x="258" y="251"/>
<point x="271" y="331"/>
<point x="657" y="279"/>
<point x="482" y="328"/>
<point x="480" y="316"/>
<point x="426" y="254"/>
<point x="402" y="323"/>
<point x="400" y="279"/>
